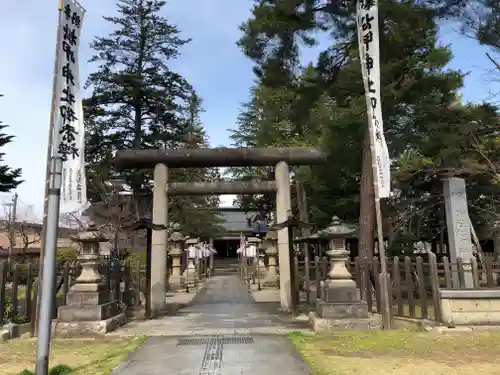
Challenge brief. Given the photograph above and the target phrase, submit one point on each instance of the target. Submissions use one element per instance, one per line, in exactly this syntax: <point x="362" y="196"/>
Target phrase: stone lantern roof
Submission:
<point x="337" y="229"/>
<point x="91" y="235"/>
<point x="176" y="237"/>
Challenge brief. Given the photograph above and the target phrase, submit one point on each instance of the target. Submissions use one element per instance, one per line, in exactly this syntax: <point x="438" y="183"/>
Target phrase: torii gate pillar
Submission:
<point x="283" y="207"/>
<point x="159" y="242"/>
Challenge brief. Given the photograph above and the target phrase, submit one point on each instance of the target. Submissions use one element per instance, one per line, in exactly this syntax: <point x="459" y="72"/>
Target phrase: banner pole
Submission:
<point x="49" y="155"/>
<point x="49" y="233"/>
<point x="385" y="299"/>
<point x="373" y="86"/>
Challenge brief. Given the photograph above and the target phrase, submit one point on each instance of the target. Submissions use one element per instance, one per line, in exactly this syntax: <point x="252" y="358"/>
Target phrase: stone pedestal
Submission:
<point x="260" y="267"/>
<point x="89" y="309"/>
<point x="189" y="275"/>
<point x="176" y="247"/>
<point x="340" y="303"/>
<point x="339" y="296"/>
<point x="271" y="279"/>
<point x="340" y="300"/>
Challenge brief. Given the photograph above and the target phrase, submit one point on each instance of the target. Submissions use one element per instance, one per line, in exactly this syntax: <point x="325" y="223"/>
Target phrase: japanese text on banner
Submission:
<point x="368" y="38"/>
<point x="69" y="133"/>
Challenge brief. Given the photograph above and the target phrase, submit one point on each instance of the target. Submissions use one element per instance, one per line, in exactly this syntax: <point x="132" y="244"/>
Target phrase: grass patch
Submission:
<point x="400" y="352"/>
<point x="85" y="357"/>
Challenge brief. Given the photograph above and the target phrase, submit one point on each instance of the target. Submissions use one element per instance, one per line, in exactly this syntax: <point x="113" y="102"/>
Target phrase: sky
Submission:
<point x="212" y="63"/>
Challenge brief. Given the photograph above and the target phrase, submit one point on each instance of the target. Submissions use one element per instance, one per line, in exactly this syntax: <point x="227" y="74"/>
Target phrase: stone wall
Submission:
<point x="470" y="307"/>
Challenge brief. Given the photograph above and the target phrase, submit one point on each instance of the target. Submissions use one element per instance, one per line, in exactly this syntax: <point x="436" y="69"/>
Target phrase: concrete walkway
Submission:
<point x="222" y="307"/>
<point x="222" y="332"/>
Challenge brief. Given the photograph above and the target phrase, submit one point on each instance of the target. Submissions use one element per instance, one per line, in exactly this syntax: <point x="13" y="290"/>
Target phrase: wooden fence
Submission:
<point x="414" y="286"/>
<point x="414" y="281"/>
<point x="19" y="286"/>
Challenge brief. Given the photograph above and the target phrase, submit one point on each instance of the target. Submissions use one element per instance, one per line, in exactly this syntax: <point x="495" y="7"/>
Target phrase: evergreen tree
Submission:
<point x="417" y="97"/>
<point x="195" y="213"/>
<point x="137" y="102"/>
<point x="276" y="116"/>
<point x="481" y="20"/>
<point x="9" y="178"/>
<point x="136" y="98"/>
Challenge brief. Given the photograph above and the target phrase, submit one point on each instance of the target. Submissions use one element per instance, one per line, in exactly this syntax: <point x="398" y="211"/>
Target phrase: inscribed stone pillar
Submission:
<point x="459" y="231"/>
<point x="159" y="241"/>
<point x="283" y="206"/>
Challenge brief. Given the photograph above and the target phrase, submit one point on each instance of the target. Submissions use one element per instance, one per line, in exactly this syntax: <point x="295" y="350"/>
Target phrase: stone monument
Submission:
<point x="176" y="241"/>
<point x="459" y="231"/>
<point x="340" y="306"/>
<point x="89" y="309"/>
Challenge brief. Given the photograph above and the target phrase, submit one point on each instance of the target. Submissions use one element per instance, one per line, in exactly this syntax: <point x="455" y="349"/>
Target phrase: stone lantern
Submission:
<point x="270" y="244"/>
<point x="257" y="262"/>
<point x="88" y="308"/>
<point x="260" y="256"/>
<point x="254" y="241"/>
<point x="340" y="298"/>
<point x="89" y="241"/>
<point x="176" y="242"/>
<point x="190" y="274"/>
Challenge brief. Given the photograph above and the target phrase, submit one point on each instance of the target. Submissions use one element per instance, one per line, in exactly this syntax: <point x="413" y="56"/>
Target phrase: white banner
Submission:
<point x="69" y="133"/>
<point x="368" y="39"/>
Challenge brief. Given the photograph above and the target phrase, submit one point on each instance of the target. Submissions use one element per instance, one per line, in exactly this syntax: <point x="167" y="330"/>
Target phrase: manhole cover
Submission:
<point x="225" y="340"/>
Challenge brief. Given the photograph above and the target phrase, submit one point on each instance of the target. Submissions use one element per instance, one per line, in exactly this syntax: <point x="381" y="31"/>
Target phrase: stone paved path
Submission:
<point x="222" y="332"/>
<point x="223" y="307"/>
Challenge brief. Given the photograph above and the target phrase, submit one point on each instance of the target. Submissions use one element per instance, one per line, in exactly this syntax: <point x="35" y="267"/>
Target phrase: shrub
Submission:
<point x="18" y="319"/>
<point x="57" y="370"/>
<point x="7" y="312"/>
<point x="60" y="370"/>
<point x="64" y="255"/>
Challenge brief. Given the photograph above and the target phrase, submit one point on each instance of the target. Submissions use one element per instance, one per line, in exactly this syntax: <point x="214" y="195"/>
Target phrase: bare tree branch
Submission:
<point x="497" y="65"/>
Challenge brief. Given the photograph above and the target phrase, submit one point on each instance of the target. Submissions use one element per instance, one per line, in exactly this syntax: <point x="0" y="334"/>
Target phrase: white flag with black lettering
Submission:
<point x="368" y="38"/>
<point x="68" y="131"/>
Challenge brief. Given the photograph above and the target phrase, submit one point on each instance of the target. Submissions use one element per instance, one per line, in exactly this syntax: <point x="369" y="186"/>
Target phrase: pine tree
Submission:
<point x="195" y="213"/>
<point x="274" y="117"/>
<point x="481" y="20"/>
<point x="416" y="90"/>
<point x="137" y="101"/>
<point x="9" y="178"/>
<point x="136" y="97"/>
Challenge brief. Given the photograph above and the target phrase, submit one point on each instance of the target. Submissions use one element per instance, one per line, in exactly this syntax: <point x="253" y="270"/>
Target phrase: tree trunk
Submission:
<point x="137" y="178"/>
<point x="496" y="245"/>
<point x="367" y="202"/>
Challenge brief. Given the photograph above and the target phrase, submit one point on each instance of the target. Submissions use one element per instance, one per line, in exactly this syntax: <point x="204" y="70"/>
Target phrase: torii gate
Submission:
<point x="161" y="160"/>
